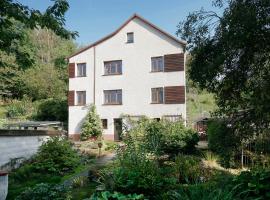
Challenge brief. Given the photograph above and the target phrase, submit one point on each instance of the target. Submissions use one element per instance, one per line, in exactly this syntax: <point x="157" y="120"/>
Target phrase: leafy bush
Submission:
<point x="18" y="109"/>
<point x="115" y="195"/>
<point x="45" y="192"/>
<point x="92" y="125"/>
<point x="165" y="137"/>
<point x="52" y="110"/>
<point x="56" y="156"/>
<point x="202" y="192"/>
<point x="136" y="172"/>
<point x="188" y="169"/>
<point x="223" y="141"/>
<point x="254" y="184"/>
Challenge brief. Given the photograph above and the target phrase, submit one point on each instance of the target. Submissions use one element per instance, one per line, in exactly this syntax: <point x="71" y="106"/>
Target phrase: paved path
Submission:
<point x="99" y="162"/>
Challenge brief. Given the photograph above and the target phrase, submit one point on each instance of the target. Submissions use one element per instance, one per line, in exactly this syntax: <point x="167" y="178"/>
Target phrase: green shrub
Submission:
<point x="52" y="110"/>
<point x="135" y="172"/>
<point x="56" y="156"/>
<point x="105" y="195"/>
<point x="223" y="141"/>
<point x="165" y="137"/>
<point x="92" y="125"/>
<point x="20" y="109"/>
<point x="188" y="169"/>
<point x="202" y="192"/>
<point x="254" y="184"/>
<point x="44" y="191"/>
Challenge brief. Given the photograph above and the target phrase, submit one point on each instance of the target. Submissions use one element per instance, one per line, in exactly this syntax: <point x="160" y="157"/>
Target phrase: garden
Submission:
<point x="155" y="160"/>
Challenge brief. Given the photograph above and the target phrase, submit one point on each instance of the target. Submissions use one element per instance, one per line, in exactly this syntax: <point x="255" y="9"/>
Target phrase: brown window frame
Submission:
<point x="153" y="62"/>
<point x="104" y="123"/>
<point x="158" y="99"/>
<point x="78" y="93"/>
<point x="108" y="65"/>
<point x="130" y="40"/>
<point x="108" y="97"/>
<point x="84" y="71"/>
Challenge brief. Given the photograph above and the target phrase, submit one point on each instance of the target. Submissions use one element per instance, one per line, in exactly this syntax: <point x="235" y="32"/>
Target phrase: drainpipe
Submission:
<point x="94" y="77"/>
<point x="3" y="185"/>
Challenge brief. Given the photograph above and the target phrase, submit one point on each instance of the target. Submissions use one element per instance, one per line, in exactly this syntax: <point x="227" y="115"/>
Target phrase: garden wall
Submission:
<point x="16" y="145"/>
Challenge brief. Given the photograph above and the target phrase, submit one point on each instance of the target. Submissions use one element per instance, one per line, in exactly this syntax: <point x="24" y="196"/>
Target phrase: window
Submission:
<point x="81" y="98"/>
<point x="81" y="69"/>
<point x="157" y="95"/>
<point x="157" y="64"/>
<point x="130" y="37"/>
<point x="113" y="67"/>
<point x="104" y="123"/>
<point x="112" y="97"/>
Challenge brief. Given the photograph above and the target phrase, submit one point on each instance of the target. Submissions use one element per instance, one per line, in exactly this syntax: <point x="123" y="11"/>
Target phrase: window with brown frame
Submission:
<point x="157" y="95"/>
<point x="104" y="123"/>
<point x="81" y="69"/>
<point x="81" y="98"/>
<point x="113" y="67"/>
<point x="112" y="97"/>
<point x="157" y="64"/>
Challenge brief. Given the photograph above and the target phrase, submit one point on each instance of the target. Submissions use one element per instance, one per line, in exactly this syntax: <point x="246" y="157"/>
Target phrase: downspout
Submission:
<point x="186" y="119"/>
<point x="94" y="77"/>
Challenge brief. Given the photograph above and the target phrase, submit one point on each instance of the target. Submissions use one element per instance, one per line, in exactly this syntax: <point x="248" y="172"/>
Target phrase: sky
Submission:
<point x="94" y="19"/>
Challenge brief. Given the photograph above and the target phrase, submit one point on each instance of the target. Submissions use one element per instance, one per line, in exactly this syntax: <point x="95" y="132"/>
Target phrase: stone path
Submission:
<point x="99" y="162"/>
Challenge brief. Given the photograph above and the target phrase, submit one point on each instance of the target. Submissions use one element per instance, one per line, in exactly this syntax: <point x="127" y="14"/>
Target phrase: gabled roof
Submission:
<point x="121" y="27"/>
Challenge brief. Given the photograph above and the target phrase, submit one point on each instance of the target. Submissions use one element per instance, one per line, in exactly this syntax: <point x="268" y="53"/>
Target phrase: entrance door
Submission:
<point x="117" y="129"/>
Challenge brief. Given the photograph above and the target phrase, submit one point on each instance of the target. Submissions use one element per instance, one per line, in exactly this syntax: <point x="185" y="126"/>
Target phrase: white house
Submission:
<point x="137" y="70"/>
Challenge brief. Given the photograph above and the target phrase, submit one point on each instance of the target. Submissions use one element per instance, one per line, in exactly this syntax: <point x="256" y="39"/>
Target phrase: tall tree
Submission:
<point x="12" y="12"/>
<point x="231" y="58"/>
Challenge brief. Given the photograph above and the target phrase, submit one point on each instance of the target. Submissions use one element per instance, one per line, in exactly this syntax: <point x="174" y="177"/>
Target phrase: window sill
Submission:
<point x="156" y="71"/>
<point x="111" y="74"/>
<point x="131" y="42"/>
<point x="112" y="104"/>
<point x="80" y="76"/>
<point x="156" y="103"/>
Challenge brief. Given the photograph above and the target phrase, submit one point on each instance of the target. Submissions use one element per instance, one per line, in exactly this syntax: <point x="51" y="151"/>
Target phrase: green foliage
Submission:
<point x="188" y="169"/>
<point x="45" y="192"/>
<point x="106" y="195"/>
<point x="56" y="156"/>
<point x="223" y="141"/>
<point x="20" y="109"/>
<point x="165" y="137"/>
<point x="79" y="181"/>
<point x="52" y="110"/>
<point x="253" y="184"/>
<point x="199" y="104"/>
<point x="230" y="58"/>
<point x="45" y="82"/>
<point x="12" y="12"/>
<point x="92" y="125"/>
<point x="202" y="192"/>
<point x="136" y="172"/>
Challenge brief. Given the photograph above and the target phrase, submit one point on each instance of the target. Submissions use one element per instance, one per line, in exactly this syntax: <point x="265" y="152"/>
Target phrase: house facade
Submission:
<point x="138" y="70"/>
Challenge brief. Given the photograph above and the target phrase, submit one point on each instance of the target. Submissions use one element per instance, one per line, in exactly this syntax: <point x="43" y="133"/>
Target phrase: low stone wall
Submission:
<point x="16" y="145"/>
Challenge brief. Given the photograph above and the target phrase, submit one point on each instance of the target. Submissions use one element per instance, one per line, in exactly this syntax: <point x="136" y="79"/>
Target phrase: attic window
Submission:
<point x="130" y="37"/>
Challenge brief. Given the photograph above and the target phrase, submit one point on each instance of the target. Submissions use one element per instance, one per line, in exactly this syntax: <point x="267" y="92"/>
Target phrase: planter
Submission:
<point x="3" y="185"/>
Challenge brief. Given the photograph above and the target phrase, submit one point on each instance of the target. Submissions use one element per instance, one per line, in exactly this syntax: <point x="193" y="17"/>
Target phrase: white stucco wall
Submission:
<point x="136" y="80"/>
<point x="12" y="147"/>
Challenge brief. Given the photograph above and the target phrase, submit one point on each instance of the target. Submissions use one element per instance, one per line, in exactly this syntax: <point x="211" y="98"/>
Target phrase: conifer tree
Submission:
<point x="92" y="124"/>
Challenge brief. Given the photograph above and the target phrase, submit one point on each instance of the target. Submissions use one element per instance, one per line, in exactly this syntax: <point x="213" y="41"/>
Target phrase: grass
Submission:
<point x="3" y="111"/>
<point x="199" y="104"/>
<point x="84" y="192"/>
